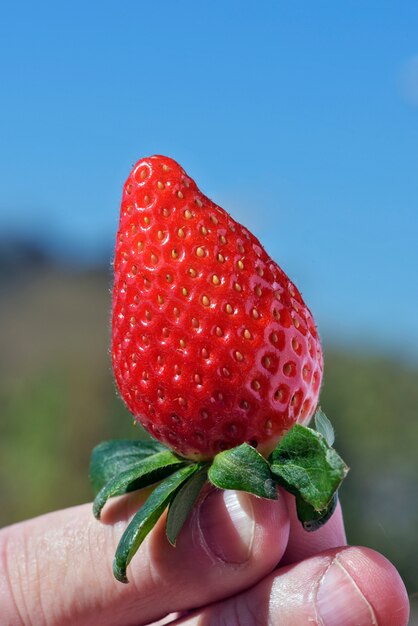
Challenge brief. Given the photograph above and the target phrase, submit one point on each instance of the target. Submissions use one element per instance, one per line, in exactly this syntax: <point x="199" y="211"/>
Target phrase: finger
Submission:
<point x="57" y="568"/>
<point x="303" y="544"/>
<point x="340" y="587"/>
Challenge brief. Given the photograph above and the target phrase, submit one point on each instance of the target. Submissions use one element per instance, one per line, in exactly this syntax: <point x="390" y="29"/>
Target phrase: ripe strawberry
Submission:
<point x="212" y="344"/>
<point x="213" y="349"/>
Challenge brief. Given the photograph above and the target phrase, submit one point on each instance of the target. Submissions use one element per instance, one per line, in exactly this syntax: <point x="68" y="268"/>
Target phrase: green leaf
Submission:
<point x="146" y="518"/>
<point x="110" y="458"/>
<point x="182" y="504"/>
<point x="150" y="470"/>
<point x="311" y="519"/>
<point x="304" y="464"/>
<point x="324" y="426"/>
<point x="243" y="468"/>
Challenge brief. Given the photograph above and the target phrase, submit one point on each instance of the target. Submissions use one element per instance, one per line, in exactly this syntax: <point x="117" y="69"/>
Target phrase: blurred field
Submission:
<point x="58" y="400"/>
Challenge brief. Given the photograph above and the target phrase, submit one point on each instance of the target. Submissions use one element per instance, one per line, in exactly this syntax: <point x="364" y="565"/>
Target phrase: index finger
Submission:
<point x="57" y="569"/>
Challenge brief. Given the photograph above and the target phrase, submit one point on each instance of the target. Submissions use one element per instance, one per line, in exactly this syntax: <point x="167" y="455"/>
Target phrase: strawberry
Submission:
<point x="212" y="344"/>
<point x="217" y="356"/>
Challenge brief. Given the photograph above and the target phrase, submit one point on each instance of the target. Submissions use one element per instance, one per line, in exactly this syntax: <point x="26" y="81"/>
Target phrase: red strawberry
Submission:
<point x="212" y="344"/>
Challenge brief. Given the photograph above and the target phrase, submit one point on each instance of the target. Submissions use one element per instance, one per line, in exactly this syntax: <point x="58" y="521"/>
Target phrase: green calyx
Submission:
<point x="304" y="463"/>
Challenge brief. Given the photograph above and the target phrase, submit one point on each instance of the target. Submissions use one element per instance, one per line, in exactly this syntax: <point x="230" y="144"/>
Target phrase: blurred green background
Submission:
<point x="58" y="400"/>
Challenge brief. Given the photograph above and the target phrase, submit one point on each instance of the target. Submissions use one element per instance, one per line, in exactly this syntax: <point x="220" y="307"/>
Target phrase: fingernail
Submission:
<point x="340" y="602"/>
<point x="226" y="521"/>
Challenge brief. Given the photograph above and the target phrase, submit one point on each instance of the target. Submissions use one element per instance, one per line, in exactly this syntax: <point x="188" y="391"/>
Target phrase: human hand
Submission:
<point x="239" y="560"/>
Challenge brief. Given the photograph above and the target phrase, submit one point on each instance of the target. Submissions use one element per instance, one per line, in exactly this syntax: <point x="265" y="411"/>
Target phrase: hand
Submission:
<point x="57" y="570"/>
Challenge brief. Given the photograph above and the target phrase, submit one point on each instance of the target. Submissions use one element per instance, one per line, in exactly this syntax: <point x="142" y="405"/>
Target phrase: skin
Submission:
<point x="239" y="560"/>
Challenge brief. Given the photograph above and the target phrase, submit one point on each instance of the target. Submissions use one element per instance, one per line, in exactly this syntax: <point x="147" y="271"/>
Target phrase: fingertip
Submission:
<point x="340" y="587"/>
<point x="379" y="582"/>
<point x="230" y="542"/>
<point x="238" y="528"/>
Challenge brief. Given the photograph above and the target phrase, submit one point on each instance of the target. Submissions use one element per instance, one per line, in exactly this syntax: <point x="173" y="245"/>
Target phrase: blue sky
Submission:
<point x="299" y="117"/>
